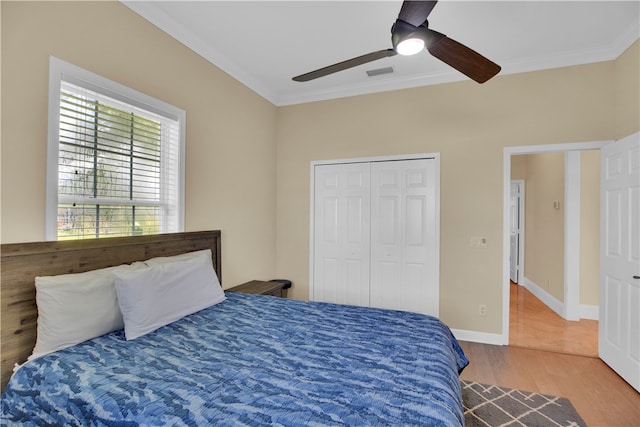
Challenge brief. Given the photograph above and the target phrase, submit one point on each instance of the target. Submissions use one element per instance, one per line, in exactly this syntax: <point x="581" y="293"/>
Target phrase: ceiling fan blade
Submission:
<point x="466" y="60"/>
<point x="416" y="12"/>
<point x="349" y="63"/>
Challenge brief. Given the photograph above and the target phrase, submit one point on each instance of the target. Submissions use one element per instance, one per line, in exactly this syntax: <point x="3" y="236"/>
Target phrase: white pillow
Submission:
<point x="163" y="293"/>
<point x="204" y="253"/>
<point x="73" y="308"/>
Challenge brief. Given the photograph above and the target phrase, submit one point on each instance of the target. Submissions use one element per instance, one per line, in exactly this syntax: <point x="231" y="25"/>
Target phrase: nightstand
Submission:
<point x="260" y="287"/>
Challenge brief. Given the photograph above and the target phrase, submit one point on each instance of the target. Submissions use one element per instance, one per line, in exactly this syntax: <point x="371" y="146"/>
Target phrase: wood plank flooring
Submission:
<point x="549" y="355"/>
<point x="534" y="325"/>
<point x="599" y="395"/>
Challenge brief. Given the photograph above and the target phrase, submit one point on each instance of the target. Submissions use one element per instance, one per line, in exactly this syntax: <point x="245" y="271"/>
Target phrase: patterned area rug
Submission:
<point x="489" y="405"/>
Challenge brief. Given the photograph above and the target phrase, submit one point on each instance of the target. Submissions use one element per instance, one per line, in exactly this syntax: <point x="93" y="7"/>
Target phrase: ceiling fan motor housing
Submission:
<point x="400" y="30"/>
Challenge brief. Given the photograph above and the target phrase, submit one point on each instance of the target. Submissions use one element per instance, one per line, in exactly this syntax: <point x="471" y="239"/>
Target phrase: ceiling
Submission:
<point x="263" y="44"/>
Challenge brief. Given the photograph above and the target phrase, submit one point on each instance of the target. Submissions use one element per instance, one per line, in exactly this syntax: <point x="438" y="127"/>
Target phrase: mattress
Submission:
<point x="252" y="360"/>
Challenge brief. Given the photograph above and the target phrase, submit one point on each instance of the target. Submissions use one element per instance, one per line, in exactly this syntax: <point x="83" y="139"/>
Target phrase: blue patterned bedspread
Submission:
<point x="252" y="360"/>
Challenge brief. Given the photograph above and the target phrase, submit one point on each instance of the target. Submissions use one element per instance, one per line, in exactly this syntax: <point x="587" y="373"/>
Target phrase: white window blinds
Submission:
<point x="118" y="167"/>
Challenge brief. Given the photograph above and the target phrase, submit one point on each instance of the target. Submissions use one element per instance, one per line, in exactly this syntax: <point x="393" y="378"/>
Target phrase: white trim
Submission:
<point x="314" y="163"/>
<point x="376" y="159"/>
<point x="556" y="148"/>
<point x="522" y="229"/>
<point x="521" y="219"/>
<point x="182" y="164"/>
<point x="589" y="312"/>
<point x="436" y="235"/>
<point x="367" y="87"/>
<point x="506" y="200"/>
<point x="479" y="337"/>
<point x="155" y="15"/>
<point x="60" y="70"/>
<point x="549" y="300"/>
<point x="565" y="59"/>
<point x="95" y="82"/>
<point x="312" y="221"/>
<point x="53" y="136"/>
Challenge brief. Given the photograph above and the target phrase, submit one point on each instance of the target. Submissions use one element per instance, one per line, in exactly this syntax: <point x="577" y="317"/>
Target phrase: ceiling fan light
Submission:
<point x="410" y="46"/>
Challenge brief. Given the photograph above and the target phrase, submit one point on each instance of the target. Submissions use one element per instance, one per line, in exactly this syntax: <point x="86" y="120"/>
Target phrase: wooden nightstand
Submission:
<point x="260" y="287"/>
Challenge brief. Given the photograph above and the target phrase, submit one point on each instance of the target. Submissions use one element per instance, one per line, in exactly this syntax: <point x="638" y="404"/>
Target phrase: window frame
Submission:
<point x="59" y="71"/>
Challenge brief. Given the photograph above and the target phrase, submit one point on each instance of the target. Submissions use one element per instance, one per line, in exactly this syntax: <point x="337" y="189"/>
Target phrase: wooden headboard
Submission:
<point x="22" y="262"/>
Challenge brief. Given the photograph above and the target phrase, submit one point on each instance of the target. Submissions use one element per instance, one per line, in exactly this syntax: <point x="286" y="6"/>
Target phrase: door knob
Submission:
<point x="636" y="277"/>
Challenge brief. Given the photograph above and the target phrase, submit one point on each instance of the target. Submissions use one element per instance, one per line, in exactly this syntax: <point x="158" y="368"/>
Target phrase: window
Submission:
<point x="115" y="162"/>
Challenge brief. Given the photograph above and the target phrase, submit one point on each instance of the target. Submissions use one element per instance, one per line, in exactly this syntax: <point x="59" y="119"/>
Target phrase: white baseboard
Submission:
<point x="479" y="337"/>
<point x="549" y="300"/>
<point x="590" y="312"/>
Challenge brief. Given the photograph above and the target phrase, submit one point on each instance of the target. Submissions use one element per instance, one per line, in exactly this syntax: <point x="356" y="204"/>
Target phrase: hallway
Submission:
<point x="534" y="325"/>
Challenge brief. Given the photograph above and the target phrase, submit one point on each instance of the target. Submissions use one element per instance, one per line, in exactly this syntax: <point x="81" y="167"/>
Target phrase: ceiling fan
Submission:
<point x="409" y="35"/>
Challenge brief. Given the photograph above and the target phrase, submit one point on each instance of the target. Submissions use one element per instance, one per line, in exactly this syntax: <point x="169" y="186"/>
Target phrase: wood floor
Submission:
<point x="534" y="325"/>
<point x="549" y="355"/>
<point x="599" y="395"/>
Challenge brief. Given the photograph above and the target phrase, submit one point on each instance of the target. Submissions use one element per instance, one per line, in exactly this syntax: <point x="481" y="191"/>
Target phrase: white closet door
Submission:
<point x="404" y="257"/>
<point x="342" y="233"/>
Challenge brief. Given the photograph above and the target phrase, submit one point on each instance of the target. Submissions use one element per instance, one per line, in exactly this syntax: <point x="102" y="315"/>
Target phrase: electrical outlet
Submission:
<point x="482" y="310"/>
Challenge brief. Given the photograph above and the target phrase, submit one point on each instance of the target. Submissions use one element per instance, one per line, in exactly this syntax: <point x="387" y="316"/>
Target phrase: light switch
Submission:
<point x="479" y="242"/>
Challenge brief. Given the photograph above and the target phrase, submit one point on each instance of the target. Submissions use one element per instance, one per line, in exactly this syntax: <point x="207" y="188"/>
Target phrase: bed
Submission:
<point x="246" y="360"/>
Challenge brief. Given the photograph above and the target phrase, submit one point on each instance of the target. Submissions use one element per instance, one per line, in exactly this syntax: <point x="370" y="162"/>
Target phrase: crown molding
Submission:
<point x="184" y="35"/>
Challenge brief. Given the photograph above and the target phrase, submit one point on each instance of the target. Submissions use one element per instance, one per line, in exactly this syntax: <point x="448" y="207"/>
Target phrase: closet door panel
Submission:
<point x="386" y="235"/>
<point x="328" y="269"/>
<point x="386" y="272"/>
<point x="404" y="236"/>
<point x="342" y="233"/>
<point x="413" y="289"/>
<point x="374" y="235"/>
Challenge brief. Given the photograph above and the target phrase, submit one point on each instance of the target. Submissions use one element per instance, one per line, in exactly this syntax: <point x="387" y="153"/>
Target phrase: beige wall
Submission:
<point x="544" y="223"/>
<point x="590" y="227"/>
<point x="544" y="229"/>
<point x="469" y="125"/>
<point x="244" y="155"/>
<point x="230" y="164"/>
<point x="518" y="167"/>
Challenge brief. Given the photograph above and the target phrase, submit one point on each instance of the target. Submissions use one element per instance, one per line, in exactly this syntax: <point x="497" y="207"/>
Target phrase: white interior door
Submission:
<point x="619" y="326"/>
<point x="341" y="233"/>
<point x="404" y="258"/>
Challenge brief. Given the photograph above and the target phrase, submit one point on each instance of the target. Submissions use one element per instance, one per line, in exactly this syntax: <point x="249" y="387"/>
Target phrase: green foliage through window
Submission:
<point x="109" y="169"/>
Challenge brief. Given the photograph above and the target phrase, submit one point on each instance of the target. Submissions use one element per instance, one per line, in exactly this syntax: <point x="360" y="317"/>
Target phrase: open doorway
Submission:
<point x="534" y="325"/>
<point x="554" y="313"/>
<point x="516" y="229"/>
